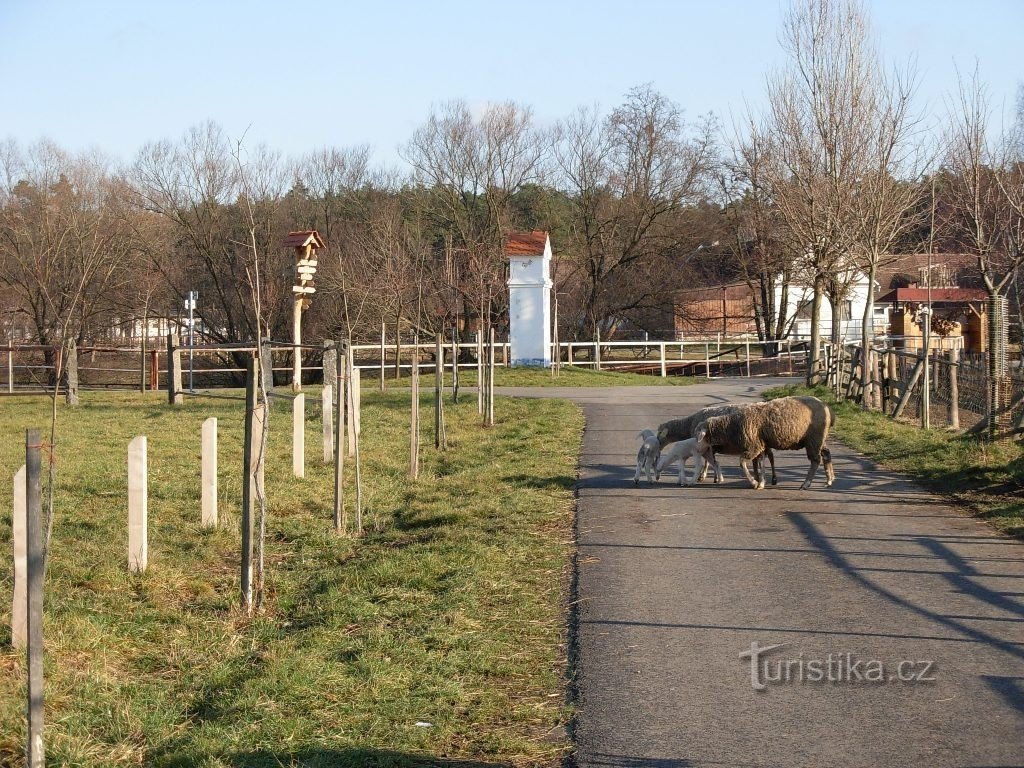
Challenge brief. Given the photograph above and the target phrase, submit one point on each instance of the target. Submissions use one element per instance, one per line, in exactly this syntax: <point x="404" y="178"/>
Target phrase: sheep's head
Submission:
<point x="701" y="436"/>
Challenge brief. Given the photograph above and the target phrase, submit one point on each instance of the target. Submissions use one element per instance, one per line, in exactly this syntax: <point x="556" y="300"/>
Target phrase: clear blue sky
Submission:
<point x="299" y="75"/>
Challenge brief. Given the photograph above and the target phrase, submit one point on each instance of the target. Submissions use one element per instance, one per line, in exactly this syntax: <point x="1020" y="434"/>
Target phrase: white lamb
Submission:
<point x="680" y="451"/>
<point x="648" y="455"/>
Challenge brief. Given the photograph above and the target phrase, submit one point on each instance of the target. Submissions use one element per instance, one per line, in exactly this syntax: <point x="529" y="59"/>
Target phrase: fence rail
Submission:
<point x="27" y="368"/>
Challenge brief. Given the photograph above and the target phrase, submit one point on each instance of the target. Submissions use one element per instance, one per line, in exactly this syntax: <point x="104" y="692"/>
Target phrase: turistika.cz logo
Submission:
<point x="835" y="668"/>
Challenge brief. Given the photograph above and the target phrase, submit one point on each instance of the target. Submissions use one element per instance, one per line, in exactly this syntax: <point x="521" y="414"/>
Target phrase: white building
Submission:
<point x="529" y="297"/>
<point x="851" y="309"/>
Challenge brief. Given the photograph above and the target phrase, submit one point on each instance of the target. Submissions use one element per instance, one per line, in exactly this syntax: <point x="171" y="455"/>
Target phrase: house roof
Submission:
<point x="938" y="295"/>
<point x="526" y="243"/>
<point x="303" y="238"/>
<point x="911" y="264"/>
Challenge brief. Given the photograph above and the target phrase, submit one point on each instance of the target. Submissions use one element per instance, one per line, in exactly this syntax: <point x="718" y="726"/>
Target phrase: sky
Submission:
<point x="300" y="75"/>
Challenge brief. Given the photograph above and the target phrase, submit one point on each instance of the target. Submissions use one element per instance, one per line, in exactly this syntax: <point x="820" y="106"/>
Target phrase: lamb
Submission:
<point x="680" y="429"/>
<point x="680" y="451"/>
<point x="786" y="424"/>
<point x="648" y="455"/>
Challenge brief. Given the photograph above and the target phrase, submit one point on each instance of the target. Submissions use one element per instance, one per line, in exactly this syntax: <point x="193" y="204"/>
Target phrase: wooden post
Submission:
<point x="890" y="372"/>
<point x="35" y="567"/>
<point x="926" y="375"/>
<point x="568" y="354"/>
<point x="138" y="542"/>
<point x="597" y="349"/>
<point x="707" y="360"/>
<point x="664" y="367"/>
<point x="297" y="344"/>
<point x="330" y="364"/>
<point x="414" y="427"/>
<point x="299" y="436"/>
<point x="10" y="368"/>
<point x="327" y="417"/>
<point x="174" y="392"/>
<point x="154" y="370"/>
<point x="266" y="365"/>
<point x="905" y="395"/>
<point x="249" y="465"/>
<point x="954" y="388"/>
<point x="746" y="342"/>
<point x="340" y="523"/>
<point x="71" y="374"/>
<point x="209" y="473"/>
<point x="19" y="525"/>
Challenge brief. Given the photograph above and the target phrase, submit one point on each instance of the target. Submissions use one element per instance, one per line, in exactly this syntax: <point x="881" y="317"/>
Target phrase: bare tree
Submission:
<point x="757" y="241"/>
<point x="888" y="191"/>
<point x="472" y="169"/>
<point x="815" y="143"/>
<point x="986" y="213"/>
<point x="63" y="236"/>
<point x="196" y="185"/>
<point x="628" y="176"/>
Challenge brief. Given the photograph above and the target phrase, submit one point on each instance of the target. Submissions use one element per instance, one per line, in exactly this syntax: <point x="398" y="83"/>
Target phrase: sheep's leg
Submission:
<point x="704" y="467"/>
<point x="718" y="468"/>
<point x="771" y="460"/>
<point x="815" y="459"/>
<point x="709" y="461"/>
<point x="745" y="466"/>
<point x="636" y="475"/>
<point x="830" y="473"/>
<point x="758" y="472"/>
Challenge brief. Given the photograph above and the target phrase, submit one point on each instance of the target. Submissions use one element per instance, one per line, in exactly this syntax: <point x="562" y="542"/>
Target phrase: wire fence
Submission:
<point x="957" y="385"/>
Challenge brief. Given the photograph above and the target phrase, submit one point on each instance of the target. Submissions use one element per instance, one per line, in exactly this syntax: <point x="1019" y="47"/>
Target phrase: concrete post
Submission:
<point x="330" y="364"/>
<point x="299" y="436"/>
<point x="327" y="409"/>
<point x="138" y="546"/>
<point x="209" y="473"/>
<point x="174" y="392"/>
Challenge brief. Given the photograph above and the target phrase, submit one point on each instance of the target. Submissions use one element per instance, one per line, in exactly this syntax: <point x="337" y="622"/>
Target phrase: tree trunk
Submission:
<point x="866" y="337"/>
<point x="814" y="354"/>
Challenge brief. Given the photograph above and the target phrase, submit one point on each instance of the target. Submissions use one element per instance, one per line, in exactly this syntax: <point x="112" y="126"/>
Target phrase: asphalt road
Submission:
<point x="860" y="584"/>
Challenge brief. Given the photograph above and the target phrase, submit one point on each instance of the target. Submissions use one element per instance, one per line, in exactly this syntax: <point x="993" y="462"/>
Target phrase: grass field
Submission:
<point x="439" y="634"/>
<point x="986" y="477"/>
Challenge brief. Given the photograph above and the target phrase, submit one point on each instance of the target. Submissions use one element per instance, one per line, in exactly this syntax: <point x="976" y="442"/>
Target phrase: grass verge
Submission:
<point x="986" y="477"/>
<point x="439" y="634"/>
